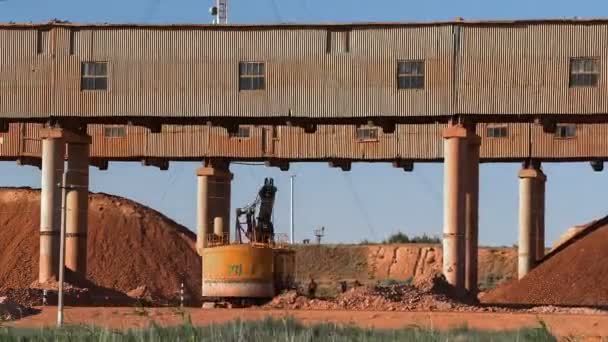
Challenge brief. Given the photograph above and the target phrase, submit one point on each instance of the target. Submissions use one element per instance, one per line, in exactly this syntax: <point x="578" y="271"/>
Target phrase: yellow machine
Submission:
<point x="257" y="265"/>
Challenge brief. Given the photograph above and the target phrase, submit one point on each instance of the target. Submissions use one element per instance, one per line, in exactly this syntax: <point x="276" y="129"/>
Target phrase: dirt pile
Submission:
<point x="368" y="264"/>
<point x="10" y="310"/>
<point x="434" y="295"/>
<point x="129" y="245"/>
<point x="574" y="274"/>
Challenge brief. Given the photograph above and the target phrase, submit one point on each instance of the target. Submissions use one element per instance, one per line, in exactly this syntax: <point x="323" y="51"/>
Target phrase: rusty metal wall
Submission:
<point x="10" y="142"/>
<point x="515" y="145"/>
<point x="194" y="72"/>
<point x="524" y="69"/>
<point x="26" y="76"/>
<point x="589" y="142"/>
<point x="131" y="145"/>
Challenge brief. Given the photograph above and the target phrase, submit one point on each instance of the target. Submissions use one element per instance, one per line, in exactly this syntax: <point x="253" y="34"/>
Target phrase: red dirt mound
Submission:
<point x="574" y="274"/>
<point x="129" y="245"/>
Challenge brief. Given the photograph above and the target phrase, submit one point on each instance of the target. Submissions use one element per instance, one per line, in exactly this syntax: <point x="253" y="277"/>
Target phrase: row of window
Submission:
<point x="370" y="133"/>
<point x="584" y="72"/>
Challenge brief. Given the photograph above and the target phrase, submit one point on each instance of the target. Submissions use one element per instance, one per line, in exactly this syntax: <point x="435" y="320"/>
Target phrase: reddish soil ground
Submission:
<point x="574" y="274"/>
<point x="593" y="327"/>
<point x="129" y="245"/>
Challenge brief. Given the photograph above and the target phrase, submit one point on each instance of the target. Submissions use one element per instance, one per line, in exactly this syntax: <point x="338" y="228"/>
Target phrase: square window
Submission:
<point x="410" y="74"/>
<point x="565" y="131"/>
<point x="242" y="133"/>
<point x="251" y="76"/>
<point x="367" y="134"/>
<point x="114" y="132"/>
<point x="497" y="132"/>
<point x="94" y="76"/>
<point x="584" y="72"/>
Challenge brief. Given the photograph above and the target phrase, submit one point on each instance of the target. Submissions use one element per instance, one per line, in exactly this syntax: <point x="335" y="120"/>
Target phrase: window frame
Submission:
<point x="497" y="128"/>
<point x="575" y="75"/>
<point x="411" y="75"/>
<point x="239" y="135"/>
<point x="247" y="76"/>
<point x="95" y="76"/>
<point x="566" y="127"/>
<point x="122" y="132"/>
<point x="368" y="138"/>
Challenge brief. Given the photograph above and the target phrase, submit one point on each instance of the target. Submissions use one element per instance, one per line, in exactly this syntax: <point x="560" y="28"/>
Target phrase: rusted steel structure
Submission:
<point x="502" y="142"/>
<point x="518" y="71"/>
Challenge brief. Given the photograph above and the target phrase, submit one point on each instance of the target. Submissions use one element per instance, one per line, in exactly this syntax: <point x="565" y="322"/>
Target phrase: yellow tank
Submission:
<point x="238" y="271"/>
<point x="284" y="269"/>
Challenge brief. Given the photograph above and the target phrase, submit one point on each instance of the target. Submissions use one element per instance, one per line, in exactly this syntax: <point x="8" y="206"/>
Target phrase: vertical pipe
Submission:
<point x="53" y="152"/>
<point x="202" y="210"/>
<point x="540" y="217"/>
<point x="472" y="214"/>
<point x="291" y="213"/>
<point x="527" y="222"/>
<point x="218" y="226"/>
<point x="455" y="150"/>
<point x="77" y="206"/>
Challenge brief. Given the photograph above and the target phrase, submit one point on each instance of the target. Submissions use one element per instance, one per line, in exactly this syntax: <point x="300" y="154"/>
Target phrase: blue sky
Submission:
<point x="373" y="200"/>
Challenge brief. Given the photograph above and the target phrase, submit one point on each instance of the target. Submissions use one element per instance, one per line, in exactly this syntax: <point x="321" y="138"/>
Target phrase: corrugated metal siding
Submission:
<point x="420" y="142"/>
<point x="590" y="141"/>
<point x="515" y="145"/>
<point x="10" y="142"/>
<point x="25" y="74"/>
<point x="31" y="145"/>
<point x="179" y="141"/>
<point x="293" y="142"/>
<point x="132" y="145"/>
<point x="221" y="144"/>
<point x="521" y="69"/>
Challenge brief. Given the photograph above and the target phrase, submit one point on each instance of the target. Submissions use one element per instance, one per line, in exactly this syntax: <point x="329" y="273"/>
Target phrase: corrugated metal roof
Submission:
<point x="456" y="21"/>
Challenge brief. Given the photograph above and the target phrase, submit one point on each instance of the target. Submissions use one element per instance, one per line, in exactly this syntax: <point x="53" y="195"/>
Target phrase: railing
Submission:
<point x="214" y="240"/>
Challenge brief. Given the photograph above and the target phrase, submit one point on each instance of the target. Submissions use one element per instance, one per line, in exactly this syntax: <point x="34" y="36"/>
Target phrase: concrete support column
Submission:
<point x="455" y="169"/>
<point x="53" y="154"/>
<point x="213" y="200"/>
<point x="472" y="213"/>
<point x="529" y="178"/>
<point x="540" y="219"/>
<point x="77" y="204"/>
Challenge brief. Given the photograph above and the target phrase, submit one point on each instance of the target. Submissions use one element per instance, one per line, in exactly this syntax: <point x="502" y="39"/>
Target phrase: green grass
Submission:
<point x="268" y="330"/>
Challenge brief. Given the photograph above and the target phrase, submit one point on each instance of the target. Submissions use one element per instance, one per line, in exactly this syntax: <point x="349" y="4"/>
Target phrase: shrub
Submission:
<point x="400" y="237"/>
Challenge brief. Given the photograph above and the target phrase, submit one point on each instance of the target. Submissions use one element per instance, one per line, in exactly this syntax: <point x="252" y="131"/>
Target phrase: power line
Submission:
<point x="360" y="206"/>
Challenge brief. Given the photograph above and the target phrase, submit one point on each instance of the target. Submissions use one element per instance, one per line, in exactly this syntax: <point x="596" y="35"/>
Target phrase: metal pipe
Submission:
<point x="202" y="219"/>
<point x="62" y="250"/>
<point x="218" y="226"/>
<point x="53" y="152"/>
<point x="472" y="214"/>
<point x="455" y="158"/>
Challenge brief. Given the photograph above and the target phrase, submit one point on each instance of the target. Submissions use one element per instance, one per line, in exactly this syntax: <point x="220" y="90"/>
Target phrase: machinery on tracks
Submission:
<point x="257" y="264"/>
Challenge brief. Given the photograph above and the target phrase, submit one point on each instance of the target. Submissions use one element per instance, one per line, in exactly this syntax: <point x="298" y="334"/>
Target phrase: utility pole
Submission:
<point x="291" y="226"/>
<point x="62" y="250"/>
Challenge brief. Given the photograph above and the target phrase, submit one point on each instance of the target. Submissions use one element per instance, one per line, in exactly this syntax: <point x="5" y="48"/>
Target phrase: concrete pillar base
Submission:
<point x="472" y="214"/>
<point x="528" y="219"/>
<point x="77" y="204"/>
<point x="455" y="160"/>
<point x="213" y="200"/>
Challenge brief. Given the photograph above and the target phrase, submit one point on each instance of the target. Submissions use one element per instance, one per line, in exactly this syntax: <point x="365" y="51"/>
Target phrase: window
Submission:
<point x="367" y="134"/>
<point x="94" y="76"/>
<point x="565" y="131"/>
<point x="338" y="41"/>
<point x="42" y="41"/>
<point x="410" y="74"/>
<point x="251" y="76"/>
<point x="243" y="132"/>
<point x="584" y="72"/>
<point x="497" y="132"/>
<point x="114" y="132"/>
